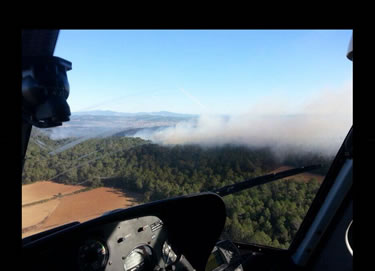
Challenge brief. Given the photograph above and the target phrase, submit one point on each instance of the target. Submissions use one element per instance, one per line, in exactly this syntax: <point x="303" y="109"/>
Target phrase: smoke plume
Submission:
<point x="319" y="125"/>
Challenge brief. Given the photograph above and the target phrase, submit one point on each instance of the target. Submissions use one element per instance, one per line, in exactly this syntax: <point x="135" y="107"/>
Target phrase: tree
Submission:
<point x="94" y="181"/>
<point x="261" y="237"/>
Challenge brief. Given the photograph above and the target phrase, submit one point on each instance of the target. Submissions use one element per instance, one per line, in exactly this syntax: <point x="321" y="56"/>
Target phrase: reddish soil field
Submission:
<point x="86" y="205"/>
<point x="45" y="190"/>
<point x="36" y="214"/>
<point x="305" y="177"/>
<point x="76" y="207"/>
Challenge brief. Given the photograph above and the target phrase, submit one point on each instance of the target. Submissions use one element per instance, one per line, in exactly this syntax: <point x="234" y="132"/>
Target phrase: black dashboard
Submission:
<point x="134" y="244"/>
<point x="173" y="234"/>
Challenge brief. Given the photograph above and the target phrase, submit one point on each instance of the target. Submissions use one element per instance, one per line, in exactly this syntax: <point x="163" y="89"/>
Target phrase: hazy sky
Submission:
<point x="203" y="71"/>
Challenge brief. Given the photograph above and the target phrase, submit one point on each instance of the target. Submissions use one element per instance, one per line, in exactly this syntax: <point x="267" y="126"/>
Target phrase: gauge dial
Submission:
<point x="168" y="254"/>
<point x="92" y="255"/>
<point x="139" y="259"/>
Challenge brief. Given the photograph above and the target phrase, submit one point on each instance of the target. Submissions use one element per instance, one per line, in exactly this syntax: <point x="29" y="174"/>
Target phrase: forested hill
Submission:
<point x="269" y="214"/>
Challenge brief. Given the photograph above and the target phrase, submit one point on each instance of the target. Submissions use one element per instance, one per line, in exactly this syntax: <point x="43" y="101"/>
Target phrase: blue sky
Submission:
<point x="200" y="71"/>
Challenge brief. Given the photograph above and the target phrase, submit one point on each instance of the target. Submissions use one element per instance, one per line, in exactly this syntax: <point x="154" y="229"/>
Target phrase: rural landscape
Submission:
<point x="90" y="177"/>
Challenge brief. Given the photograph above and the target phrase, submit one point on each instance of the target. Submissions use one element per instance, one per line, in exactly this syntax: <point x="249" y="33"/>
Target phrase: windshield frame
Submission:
<point x="314" y="207"/>
<point x="344" y="153"/>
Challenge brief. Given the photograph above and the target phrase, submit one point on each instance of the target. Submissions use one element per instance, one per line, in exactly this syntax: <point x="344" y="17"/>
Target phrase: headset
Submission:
<point x="45" y="90"/>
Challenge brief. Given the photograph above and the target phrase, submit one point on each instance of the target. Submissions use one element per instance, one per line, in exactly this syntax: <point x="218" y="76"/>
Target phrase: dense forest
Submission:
<point x="269" y="214"/>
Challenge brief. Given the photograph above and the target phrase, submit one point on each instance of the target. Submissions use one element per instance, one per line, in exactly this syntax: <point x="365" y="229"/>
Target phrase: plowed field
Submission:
<point x="55" y="211"/>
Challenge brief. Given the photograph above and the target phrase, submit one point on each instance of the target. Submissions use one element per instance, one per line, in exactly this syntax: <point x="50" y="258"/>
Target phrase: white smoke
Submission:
<point x="319" y="125"/>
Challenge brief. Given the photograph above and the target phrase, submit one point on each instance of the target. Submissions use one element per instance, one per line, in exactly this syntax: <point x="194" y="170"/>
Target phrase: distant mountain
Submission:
<point x="134" y="131"/>
<point x="123" y="114"/>
<point x="100" y="113"/>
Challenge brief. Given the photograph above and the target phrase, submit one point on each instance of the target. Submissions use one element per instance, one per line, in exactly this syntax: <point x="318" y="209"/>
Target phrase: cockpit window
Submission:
<point x="163" y="113"/>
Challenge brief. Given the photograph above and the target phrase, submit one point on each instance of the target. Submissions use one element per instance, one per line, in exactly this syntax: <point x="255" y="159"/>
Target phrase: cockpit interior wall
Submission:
<point x="39" y="42"/>
<point x="335" y="255"/>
